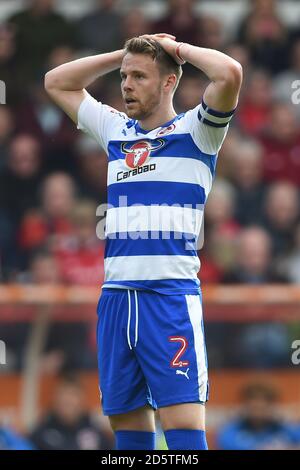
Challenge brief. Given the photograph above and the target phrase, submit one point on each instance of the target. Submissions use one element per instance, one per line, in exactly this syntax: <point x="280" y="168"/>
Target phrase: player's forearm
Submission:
<point x="80" y="73"/>
<point x="216" y="65"/>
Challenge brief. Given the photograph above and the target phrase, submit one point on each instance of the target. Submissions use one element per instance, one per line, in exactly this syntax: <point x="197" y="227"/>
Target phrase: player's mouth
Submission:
<point x="130" y="101"/>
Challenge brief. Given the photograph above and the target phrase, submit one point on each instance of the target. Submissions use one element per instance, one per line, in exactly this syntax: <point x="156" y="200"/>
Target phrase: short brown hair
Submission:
<point x="152" y="48"/>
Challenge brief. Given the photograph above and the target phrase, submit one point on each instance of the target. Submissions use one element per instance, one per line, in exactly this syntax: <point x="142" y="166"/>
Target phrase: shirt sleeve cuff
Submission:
<point x="214" y="118"/>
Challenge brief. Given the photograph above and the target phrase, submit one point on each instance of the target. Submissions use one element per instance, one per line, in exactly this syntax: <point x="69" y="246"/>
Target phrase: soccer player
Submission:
<point x="161" y="167"/>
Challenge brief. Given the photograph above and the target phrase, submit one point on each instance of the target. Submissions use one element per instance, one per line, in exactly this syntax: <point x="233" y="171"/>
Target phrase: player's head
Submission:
<point x="149" y="77"/>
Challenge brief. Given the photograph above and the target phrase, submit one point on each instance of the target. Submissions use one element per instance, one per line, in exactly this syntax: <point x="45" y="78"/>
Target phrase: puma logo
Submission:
<point x="180" y="372"/>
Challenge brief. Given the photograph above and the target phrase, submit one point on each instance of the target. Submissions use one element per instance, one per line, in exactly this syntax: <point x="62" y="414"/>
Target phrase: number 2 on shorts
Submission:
<point x="176" y="362"/>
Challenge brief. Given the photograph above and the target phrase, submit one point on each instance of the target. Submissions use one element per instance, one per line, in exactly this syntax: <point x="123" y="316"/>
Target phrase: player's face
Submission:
<point x="141" y="85"/>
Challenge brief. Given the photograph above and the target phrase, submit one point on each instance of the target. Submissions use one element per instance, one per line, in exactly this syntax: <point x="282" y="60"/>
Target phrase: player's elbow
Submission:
<point x="50" y="81"/>
<point x="54" y="80"/>
<point x="233" y="75"/>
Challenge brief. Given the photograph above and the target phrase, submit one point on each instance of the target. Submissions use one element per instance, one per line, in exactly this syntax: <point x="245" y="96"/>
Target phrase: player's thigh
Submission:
<point x="183" y="416"/>
<point x="171" y="348"/>
<point x="141" y="419"/>
<point x="122" y="383"/>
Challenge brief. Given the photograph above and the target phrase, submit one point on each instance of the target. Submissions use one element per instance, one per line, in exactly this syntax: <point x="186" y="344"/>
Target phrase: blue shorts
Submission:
<point x="151" y="350"/>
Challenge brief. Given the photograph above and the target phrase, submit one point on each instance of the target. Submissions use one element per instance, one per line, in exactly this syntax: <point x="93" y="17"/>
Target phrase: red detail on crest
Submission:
<point x="138" y="154"/>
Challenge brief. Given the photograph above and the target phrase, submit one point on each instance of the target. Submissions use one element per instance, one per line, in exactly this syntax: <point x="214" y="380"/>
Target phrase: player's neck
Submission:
<point x="158" y="119"/>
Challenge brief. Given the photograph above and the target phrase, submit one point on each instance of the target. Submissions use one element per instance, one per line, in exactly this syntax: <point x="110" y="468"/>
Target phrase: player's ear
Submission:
<point x="170" y="82"/>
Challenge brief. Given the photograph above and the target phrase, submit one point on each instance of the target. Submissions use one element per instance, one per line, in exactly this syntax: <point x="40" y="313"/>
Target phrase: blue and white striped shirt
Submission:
<point x="158" y="182"/>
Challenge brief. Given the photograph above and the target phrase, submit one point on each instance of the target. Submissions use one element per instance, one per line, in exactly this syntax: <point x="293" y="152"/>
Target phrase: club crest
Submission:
<point x="139" y="153"/>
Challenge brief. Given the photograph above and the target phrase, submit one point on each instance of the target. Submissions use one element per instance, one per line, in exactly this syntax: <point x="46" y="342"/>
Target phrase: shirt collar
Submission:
<point x="140" y="130"/>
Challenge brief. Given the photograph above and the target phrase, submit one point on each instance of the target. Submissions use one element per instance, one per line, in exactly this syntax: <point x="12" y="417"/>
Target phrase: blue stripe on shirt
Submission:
<point x="156" y="192"/>
<point x="127" y="244"/>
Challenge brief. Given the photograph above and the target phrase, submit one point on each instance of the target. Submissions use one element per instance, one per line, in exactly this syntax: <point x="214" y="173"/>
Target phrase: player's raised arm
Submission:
<point x="224" y="72"/>
<point x="66" y="84"/>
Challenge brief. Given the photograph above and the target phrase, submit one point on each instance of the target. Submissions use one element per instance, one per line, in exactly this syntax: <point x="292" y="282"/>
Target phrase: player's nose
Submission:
<point x="127" y="84"/>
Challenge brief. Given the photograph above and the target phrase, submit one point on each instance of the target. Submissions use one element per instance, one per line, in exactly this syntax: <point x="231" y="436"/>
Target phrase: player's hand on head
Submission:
<point x="167" y="41"/>
<point x="158" y="35"/>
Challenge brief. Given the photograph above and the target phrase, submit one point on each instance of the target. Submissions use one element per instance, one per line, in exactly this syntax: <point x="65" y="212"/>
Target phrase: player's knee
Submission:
<point x="141" y="419"/>
<point x="183" y="416"/>
<point x="116" y="422"/>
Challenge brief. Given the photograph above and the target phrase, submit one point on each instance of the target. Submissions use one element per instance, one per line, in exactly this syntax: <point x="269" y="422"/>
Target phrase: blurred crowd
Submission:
<point x="52" y="178"/>
<point x="66" y="425"/>
<point x="257" y="424"/>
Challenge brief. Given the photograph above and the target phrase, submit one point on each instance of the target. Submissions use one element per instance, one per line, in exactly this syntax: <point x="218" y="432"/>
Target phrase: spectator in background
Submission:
<point x="261" y="345"/>
<point x="220" y="222"/>
<point x="40" y="117"/>
<point x="259" y="425"/>
<point x="7" y="127"/>
<point x="8" y="254"/>
<point x="190" y="92"/>
<point x="39" y="29"/>
<point x="68" y="343"/>
<point x="282" y="84"/>
<point x="254" y="111"/>
<point x="225" y="159"/>
<point x="8" y="65"/>
<point x="281" y="215"/>
<point x="80" y="257"/>
<point x="253" y="259"/>
<point x="220" y="208"/>
<point x="281" y="142"/>
<point x="100" y="30"/>
<point x="68" y="425"/>
<point x="20" y="178"/>
<point x="212" y="264"/>
<point x="247" y="176"/>
<point x="266" y="37"/>
<point x="50" y="223"/>
<point x="210" y="33"/>
<point x="241" y="54"/>
<point x="91" y="169"/>
<point x="134" y="24"/>
<point x="290" y="265"/>
<point x="113" y="95"/>
<point x="180" y="21"/>
<point x="44" y="269"/>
